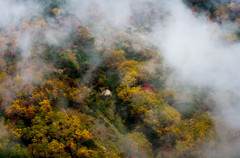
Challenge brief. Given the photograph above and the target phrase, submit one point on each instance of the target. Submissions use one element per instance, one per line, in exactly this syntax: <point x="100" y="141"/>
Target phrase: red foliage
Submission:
<point x="11" y="117"/>
<point x="79" y="107"/>
<point x="14" y="122"/>
<point x="165" y="148"/>
<point x="108" y="61"/>
<point x="149" y="87"/>
<point x="9" y="54"/>
<point x="2" y="108"/>
<point x="101" y="72"/>
<point x="194" y="9"/>
<point x="74" y="85"/>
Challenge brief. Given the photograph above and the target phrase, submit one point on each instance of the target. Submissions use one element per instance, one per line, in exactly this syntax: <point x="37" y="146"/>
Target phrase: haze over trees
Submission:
<point x="84" y="83"/>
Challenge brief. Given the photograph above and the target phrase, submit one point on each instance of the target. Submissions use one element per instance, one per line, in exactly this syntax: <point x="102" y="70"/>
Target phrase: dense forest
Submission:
<point x="84" y="87"/>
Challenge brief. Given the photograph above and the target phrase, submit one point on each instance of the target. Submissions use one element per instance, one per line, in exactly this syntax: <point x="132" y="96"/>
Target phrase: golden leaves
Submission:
<point x="172" y="115"/>
<point x="45" y="106"/>
<point x="83" y="136"/>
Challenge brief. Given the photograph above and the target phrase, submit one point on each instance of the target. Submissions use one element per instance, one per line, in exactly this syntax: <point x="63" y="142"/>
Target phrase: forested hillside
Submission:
<point x="73" y="84"/>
